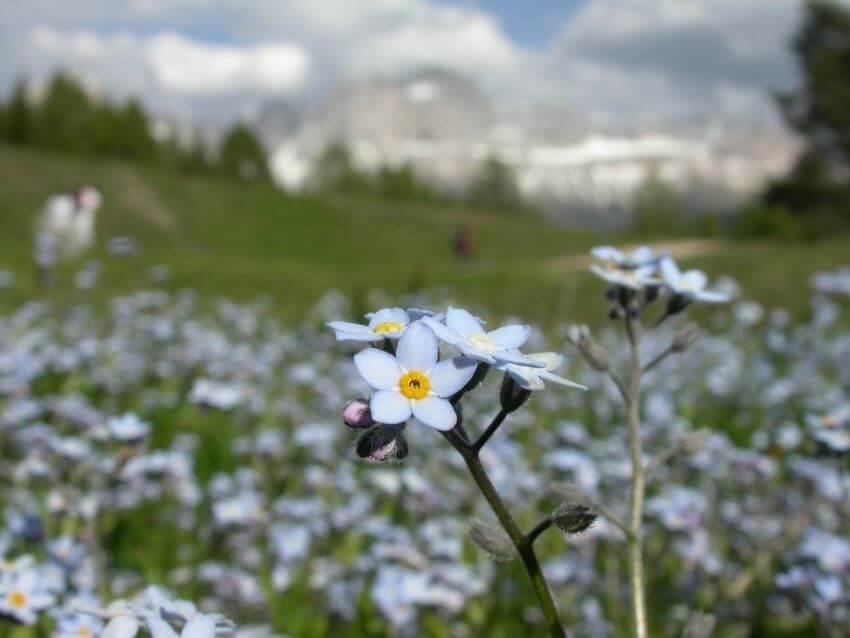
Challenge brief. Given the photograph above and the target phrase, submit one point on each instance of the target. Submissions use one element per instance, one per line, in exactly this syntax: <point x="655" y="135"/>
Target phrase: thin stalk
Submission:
<point x="541" y="527"/>
<point x="490" y="431"/>
<point x="521" y="542"/>
<point x="661" y="356"/>
<point x="638" y="592"/>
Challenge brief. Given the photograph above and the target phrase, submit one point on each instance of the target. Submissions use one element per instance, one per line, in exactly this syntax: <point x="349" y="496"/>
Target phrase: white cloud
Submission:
<point x="677" y="57"/>
<point x="614" y="59"/>
<point x="185" y="66"/>
<point x="166" y="67"/>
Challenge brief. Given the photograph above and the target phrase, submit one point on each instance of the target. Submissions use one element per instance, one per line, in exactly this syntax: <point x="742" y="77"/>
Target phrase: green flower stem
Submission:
<point x="523" y="543"/>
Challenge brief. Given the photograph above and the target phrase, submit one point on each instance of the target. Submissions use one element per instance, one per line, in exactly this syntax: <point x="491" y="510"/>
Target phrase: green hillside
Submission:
<point x="227" y="238"/>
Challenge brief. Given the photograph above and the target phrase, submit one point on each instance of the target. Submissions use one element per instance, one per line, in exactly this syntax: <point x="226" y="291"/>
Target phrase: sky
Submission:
<point x="623" y="61"/>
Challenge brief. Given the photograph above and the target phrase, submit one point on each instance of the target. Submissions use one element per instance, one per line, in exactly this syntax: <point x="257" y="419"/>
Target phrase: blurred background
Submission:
<point x="312" y="160"/>
<point x="285" y="147"/>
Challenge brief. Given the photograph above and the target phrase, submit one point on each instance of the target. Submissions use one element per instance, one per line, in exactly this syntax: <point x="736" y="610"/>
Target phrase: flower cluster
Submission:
<point x="652" y="274"/>
<point x="409" y="379"/>
<point x="197" y="446"/>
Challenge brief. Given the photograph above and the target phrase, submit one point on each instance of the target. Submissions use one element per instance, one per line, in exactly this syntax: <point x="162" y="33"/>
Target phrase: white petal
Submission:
<point x="365" y="337"/>
<point x="437" y="413"/>
<point x="122" y="627"/>
<point x="390" y="407"/>
<point x="642" y="254"/>
<point x="709" y="296"/>
<point x="508" y="337"/>
<point x="347" y="326"/>
<point x="443" y="332"/>
<point x="693" y="280"/>
<point x="388" y="315"/>
<point x="159" y="628"/>
<point x="462" y="322"/>
<point x="607" y="253"/>
<point x="418" y="348"/>
<point x="556" y="378"/>
<point x="526" y="378"/>
<point x="519" y="359"/>
<point x="670" y="271"/>
<point x="378" y="368"/>
<point x="476" y="353"/>
<point x="41" y="601"/>
<point x="199" y="626"/>
<point x="449" y="376"/>
<point x="608" y="274"/>
<point x="552" y="360"/>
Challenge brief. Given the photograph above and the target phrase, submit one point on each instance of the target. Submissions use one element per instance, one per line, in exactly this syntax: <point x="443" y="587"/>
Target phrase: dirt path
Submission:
<point x="679" y="248"/>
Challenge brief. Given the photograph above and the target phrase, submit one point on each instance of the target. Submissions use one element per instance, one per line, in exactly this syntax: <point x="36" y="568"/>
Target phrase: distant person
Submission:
<point x="463" y="246"/>
<point x="65" y="229"/>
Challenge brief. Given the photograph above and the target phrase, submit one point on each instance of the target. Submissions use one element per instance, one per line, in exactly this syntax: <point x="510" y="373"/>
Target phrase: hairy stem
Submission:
<point x="638" y="592"/>
<point x="521" y="542"/>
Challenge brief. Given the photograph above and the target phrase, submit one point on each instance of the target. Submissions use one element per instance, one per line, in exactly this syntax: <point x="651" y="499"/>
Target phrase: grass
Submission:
<point x="241" y="241"/>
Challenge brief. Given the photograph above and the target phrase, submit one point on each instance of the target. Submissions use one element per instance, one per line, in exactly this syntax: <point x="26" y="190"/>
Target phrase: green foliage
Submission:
<point x="658" y="210"/>
<point x="495" y="188"/>
<point x="242" y="156"/>
<point x="17" y="127"/>
<point x="335" y="172"/>
<point x="68" y="119"/>
<point x="766" y="222"/>
<point x="402" y="183"/>
<point x="819" y="110"/>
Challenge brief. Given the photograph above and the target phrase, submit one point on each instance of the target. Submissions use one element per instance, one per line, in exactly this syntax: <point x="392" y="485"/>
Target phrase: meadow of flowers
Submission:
<point x="172" y="467"/>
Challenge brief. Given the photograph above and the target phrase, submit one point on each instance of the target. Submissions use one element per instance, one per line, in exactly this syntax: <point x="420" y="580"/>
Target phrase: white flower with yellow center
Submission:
<point x="21" y="597"/>
<point x="388" y="323"/>
<point x="465" y="332"/>
<point x="690" y="285"/>
<point x="533" y="378"/>
<point x="413" y="383"/>
<point x="631" y="270"/>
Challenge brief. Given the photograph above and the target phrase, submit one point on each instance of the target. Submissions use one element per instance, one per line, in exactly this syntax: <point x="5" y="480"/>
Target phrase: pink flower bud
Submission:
<point x="357" y="414"/>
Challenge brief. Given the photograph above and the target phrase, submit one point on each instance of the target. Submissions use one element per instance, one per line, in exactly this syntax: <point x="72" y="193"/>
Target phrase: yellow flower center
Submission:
<point x="384" y="328"/>
<point x="84" y="631"/>
<point x="17" y="600"/>
<point x="481" y="341"/>
<point x="414" y="385"/>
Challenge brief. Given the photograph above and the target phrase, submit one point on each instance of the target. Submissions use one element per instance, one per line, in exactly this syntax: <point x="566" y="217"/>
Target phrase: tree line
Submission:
<point x="68" y="118"/>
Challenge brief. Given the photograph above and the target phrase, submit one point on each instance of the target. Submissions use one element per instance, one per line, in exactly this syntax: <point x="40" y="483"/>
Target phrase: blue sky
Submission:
<point x="532" y="23"/>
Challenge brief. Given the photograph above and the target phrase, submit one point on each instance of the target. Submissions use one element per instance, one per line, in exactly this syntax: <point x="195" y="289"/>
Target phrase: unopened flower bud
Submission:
<point x="382" y="443"/>
<point x="677" y="304"/>
<point x="573" y="518"/>
<point x="477" y="378"/>
<point x="492" y="540"/>
<point x="650" y="293"/>
<point x="685" y="338"/>
<point x="511" y="395"/>
<point x="357" y="414"/>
